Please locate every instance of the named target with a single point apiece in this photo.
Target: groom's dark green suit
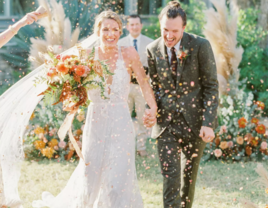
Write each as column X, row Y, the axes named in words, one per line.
column 184, row 105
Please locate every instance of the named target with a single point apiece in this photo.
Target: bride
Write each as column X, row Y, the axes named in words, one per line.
column 108, row 143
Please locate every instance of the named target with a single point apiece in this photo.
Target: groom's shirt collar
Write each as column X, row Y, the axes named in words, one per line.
column 177, row 48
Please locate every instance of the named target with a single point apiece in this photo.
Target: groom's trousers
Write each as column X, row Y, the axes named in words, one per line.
column 180, row 151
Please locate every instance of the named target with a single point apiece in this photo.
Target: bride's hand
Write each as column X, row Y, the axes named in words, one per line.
column 149, row 118
column 29, row 18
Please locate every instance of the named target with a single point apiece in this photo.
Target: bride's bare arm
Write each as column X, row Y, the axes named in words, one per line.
column 136, row 66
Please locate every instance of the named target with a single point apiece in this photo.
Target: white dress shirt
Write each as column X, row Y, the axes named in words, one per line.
column 138, row 41
column 177, row 48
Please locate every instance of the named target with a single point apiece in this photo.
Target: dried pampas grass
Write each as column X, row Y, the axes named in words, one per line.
column 221, row 31
column 58, row 32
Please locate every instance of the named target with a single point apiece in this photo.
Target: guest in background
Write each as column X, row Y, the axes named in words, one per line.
column 136, row 99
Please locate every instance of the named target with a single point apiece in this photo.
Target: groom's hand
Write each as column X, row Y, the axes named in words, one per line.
column 207, row 134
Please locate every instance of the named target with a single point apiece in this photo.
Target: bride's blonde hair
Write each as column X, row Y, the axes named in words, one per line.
column 107, row 15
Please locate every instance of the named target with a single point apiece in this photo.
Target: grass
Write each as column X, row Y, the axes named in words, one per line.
column 219, row 185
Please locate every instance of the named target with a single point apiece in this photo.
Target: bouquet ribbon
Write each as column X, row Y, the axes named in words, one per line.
column 67, row 127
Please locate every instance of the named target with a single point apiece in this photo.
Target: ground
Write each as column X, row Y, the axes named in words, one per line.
column 219, row 184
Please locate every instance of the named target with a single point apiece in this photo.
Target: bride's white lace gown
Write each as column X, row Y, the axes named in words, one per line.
column 110, row 180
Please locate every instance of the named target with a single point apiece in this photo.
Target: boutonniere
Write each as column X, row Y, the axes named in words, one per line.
column 182, row 55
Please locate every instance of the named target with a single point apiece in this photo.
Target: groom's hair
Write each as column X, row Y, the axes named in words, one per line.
column 173, row 10
column 134, row 16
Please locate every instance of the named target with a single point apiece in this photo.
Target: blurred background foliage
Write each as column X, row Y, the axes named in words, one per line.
column 254, row 65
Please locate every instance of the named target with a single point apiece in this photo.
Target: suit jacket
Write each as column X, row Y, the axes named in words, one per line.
column 195, row 91
column 144, row 41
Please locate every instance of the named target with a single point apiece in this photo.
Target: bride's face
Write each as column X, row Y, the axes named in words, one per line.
column 109, row 32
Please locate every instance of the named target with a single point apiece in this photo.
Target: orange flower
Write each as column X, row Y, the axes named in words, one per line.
column 223, row 145
column 61, row 68
column 266, row 190
column 242, row 122
column 65, row 57
column 39, row 144
column 260, row 129
column 80, row 70
column 248, row 150
column 183, row 55
column 248, row 137
column 97, row 67
column 260, row 104
column 240, row 140
column 255, row 121
column 254, row 142
column 48, row 152
column 53, row 142
column 39, row 130
column 52, row 72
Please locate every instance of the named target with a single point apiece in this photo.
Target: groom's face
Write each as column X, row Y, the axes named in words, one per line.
column 109, row 32
column 172, row 30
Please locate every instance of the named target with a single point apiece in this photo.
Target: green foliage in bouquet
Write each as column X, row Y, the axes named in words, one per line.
column 254, row 65
column 195, row 20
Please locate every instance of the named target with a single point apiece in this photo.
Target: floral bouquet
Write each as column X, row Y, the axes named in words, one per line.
column 69, row 77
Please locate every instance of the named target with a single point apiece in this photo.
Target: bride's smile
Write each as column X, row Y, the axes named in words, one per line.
column 109, row 33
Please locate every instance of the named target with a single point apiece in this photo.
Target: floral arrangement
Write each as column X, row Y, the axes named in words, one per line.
column 240, row 136
column 70, row 76
column 41, row 140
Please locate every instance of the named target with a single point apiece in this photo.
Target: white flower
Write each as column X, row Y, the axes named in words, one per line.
column 230, row 100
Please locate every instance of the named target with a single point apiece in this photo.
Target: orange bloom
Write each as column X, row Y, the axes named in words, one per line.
column 97, row 67
column 248, row 137
column 39, row 130
column 254, row 142
column 65, row 57
column 52, row 72
column 255, row 121
column 248, row 150
column 240, row 140
column 223, row 145
column 39, row 144
column 183, row 55
column 80, row 70
column 242, row 122
column 61, row 68
column 260, row 129
column 53, row 142
column 48, row 152
column 266, row 191
column 260, row 104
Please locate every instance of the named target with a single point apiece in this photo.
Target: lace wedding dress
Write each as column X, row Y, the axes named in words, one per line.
column 109, row 181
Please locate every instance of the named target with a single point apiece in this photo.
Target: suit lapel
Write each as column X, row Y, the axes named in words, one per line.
column 184, row 46
column 165, row 62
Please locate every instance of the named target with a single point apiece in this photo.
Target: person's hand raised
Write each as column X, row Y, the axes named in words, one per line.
column 29, row 18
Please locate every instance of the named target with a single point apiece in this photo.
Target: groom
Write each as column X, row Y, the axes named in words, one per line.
column 184, row 79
